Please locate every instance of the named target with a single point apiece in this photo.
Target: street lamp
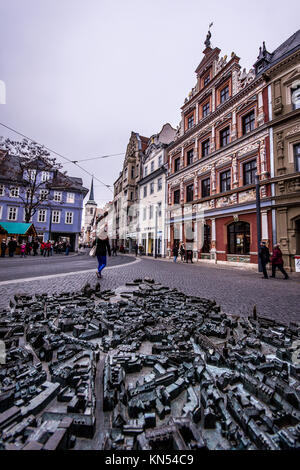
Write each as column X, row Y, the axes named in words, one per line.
column 258, row 220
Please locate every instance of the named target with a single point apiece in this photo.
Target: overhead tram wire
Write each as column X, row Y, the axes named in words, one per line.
column 58, row 154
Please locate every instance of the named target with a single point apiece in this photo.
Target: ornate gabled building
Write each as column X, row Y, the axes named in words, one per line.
column 281, row 70
column 152, row 193
column 126, row 194
column 220, row 144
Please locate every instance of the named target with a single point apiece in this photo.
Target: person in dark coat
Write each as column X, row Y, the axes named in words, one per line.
column 175, row 253
column 3, row 248
column 136, row 249
column 277, row 261
column 182, row 252
column 35, row 247
column 102, row 247
column 12, row 245
column 264, row 256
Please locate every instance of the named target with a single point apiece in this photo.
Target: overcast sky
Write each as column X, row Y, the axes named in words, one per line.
column 81, row 75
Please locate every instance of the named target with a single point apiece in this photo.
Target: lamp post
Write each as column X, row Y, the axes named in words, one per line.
column 155, row 233
column 258, row 220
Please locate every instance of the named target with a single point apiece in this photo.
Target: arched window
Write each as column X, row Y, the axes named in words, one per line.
column 238, row 238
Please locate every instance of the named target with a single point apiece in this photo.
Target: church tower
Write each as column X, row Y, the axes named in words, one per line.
column 89, row 212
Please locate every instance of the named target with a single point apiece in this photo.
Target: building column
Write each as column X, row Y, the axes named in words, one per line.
column 213, row 99
column 260, row 117
column 213, row 143
column 234, row 129
column 197, row 113
column 196, row 150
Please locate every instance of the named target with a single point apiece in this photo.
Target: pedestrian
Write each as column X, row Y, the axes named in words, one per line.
column 68, row 246
column 102, row 248
column 264, row 256
column 42, row 248
column 35, row 247
column 136, row 248
column 182, row 251
column 23, row 249
column 47, row 248
column 277, row 261
column 28, row 248
column 114, row 250
column 3, row 247
column 175, row 253
column 51, row 248
column 12, row 245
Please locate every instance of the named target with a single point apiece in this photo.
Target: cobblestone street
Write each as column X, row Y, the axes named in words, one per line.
column 236, row 290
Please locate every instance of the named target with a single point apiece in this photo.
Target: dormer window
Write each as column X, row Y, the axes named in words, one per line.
column 45, row 176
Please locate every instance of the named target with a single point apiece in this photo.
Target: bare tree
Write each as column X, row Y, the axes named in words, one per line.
column 24, row 166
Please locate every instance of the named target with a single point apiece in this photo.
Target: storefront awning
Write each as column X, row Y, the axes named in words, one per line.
column 16, row 228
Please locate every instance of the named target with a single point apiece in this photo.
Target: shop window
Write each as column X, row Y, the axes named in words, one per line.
column 249, row 172
column 238, row 238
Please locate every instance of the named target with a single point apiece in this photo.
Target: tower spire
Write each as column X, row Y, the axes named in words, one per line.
column 91, row 198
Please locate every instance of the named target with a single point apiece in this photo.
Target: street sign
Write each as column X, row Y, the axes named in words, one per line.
column 297, row 264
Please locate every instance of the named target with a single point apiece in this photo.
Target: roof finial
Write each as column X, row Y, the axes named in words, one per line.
column 207, row 41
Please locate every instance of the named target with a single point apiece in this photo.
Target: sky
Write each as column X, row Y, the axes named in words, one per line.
column 80, row 75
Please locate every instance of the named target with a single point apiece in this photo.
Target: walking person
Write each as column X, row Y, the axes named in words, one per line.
column 277, row 261
column 182, row 252
column 35, row 247
column 136, row 249
column 114, row 250
column 175, row 253
column 264, row 256
column 68, row 246
column 102, row 248
column 42, row 248
column 3, row 248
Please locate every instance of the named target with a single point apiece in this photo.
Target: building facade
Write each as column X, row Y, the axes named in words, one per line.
column 58, row 200
column 152, row 193
column 281, row 70
column 126, row 194
column 221, row 143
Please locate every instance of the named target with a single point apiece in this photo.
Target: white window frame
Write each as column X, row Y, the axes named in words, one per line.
column 40, row 211
column 31, row 174
column 67, row 215
column 44, row 194
column 57, row 196
column 24, row 213
column 70, row 198
column 56, row 215
column 45, row 176
column 1, row 210
column 159, row 186
column 160, row 162
column 15, row 211
column 14, row 191
column 2, row 190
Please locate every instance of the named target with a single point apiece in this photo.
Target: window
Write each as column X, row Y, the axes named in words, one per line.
column 224, row 136
column 224, row 94
column 190, row 121
column 2, row 188
column 297, row 156
column 55, row 217
column 132, row 172
column 1, row 210
column 190, row 193
column 159, row 209
column 150, row 212
column 225, row 181
column 205, row 148
column 176, row 164
column 69, row 218
column 91, row 211
column 152, row 166
column 12, row 213
column 160, row 162
column 206, row 80
column 42, row 215
column 206, row 239
column 131, row 195
column 14, row 192
column 238, row 235
column 205, row 109
column 159, row 184
column 24, row 216
column 57, row 196
column 151, row 188
column 145, row 191
column 144, row 213
column 249, row 172
column 145, row 171
column 248, row 122
column 44, row 194
column 189, row 157
column 295, row 90
column 176, row 196
column 205, row 187
column 45, row 176
column 31, row 175
column 70, row 198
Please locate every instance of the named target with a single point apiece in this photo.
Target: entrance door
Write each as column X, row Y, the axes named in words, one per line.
column 238, row 234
